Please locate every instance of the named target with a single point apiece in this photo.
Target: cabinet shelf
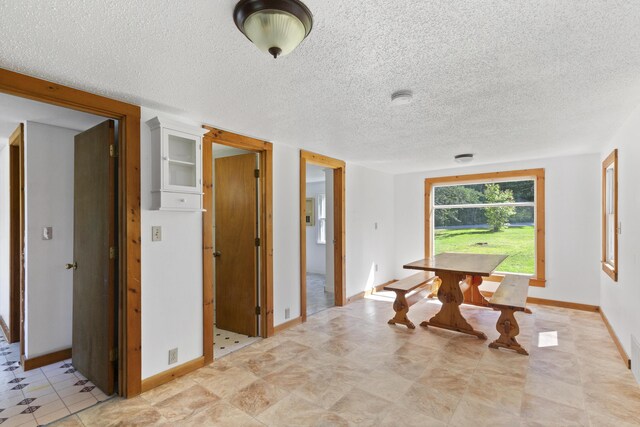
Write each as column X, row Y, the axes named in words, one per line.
column 180, row 162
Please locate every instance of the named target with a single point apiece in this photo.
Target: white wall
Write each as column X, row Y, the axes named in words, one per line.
column 49, row 153
column 329, row 247
column 316, row 252
column 171, row 273
column 4, row 230
column 369, row 201
column 286, row 232
column 572, row 223
column 619, row 301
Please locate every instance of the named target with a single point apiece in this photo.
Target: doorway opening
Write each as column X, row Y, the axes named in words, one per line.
column 61, row 205
column 236, row 253
column 237, row 240
column 322, row 233
column 319, row 235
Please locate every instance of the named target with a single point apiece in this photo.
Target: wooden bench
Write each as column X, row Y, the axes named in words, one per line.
column 511, row 296
column 402, row 287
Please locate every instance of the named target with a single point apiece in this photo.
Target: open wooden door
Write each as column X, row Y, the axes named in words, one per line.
column 235, row 241
column 94, row 248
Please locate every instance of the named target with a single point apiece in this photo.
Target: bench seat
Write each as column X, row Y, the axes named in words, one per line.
column 423, row 279
column 511, row 296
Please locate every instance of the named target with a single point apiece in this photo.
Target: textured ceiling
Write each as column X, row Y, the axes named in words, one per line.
column 505, row 80
column 14, row 110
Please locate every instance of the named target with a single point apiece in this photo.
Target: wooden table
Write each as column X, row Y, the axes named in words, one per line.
column 454, row 269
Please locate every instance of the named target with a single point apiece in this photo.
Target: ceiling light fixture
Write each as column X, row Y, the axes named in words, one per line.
column 463, row 158
column 274, row 26
column 401, row 97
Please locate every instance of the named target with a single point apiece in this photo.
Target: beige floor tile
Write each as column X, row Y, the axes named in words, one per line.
column 291, row 411
column 361, row 408
column 537, row 411
column 555, row 390
column 186, row 403
column 256, row 397
column 221, row 414
column 473, row 413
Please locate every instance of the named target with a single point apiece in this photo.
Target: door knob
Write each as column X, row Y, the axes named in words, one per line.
column 217, row 254
column 73, row 266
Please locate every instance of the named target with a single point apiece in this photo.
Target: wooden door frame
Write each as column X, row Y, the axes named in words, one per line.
column 265, row 149
column 129, row 238
column 339, row 231
column 14, row 331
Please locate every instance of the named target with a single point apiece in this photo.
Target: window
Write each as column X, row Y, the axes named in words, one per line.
column 610, row 215
column 322, row 219
column 496, row 213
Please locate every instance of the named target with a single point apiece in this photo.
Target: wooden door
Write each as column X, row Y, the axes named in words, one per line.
column 16, row 238
column 235, row 240
column 94, row 244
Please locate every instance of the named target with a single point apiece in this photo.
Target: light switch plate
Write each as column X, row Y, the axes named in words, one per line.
column 156, row 233
column 47, row 233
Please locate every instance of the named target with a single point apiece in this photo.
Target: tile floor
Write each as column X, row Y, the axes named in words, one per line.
column 317, row 298
column 40, row 396
column 346, row 366
column 226, row 342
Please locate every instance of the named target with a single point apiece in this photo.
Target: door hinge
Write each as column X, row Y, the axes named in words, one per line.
column 113, row 252
column 113, row 150
column 113, row 355
column 257, row 241
column 258, row 311
column 256, row 173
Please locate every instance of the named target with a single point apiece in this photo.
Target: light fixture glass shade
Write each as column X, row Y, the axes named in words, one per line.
column 274, row 29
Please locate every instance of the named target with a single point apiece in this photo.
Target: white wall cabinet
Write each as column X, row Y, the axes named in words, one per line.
column 176, row 150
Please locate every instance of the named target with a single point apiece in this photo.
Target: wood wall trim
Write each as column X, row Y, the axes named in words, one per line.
column 539, row 279
column 265, row 149
column 130, row 324
column 611, row 271
column 16, row 237
column 339, row 226
column 616, row 341
column 288, row 324
column 171, row 374
column 45, row 359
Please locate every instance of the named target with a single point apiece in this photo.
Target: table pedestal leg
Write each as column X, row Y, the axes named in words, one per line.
column 472, row 295
column 449, row 316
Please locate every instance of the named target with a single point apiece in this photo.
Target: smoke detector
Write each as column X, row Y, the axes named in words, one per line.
column 463, row 158
column 401, row 97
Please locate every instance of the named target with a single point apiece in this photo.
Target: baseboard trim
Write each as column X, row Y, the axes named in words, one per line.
column 45, row 359
column 377, row 288
column 288, row 324
column 173, row 373
column 623, row 354
column 5, row 330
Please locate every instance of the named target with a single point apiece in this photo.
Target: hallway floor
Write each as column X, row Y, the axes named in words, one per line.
column 317, row 298
column 226, row 342
column 43, row 395
column 347, row 366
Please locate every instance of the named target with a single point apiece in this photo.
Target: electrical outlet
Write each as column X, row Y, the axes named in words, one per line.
column 156, row 233
column 47, row 233
column 287, row 313
column 173, row 356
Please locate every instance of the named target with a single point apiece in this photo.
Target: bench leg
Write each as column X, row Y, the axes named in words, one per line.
column 508, row 327
column 401, row 308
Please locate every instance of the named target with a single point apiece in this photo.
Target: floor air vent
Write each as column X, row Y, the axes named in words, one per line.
column 635, row 358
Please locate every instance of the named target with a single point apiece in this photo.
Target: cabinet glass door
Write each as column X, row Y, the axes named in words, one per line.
column 181, row 161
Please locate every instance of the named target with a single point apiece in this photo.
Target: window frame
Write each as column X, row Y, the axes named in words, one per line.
column 610, row 270
column 321, row 220
column 537, row 175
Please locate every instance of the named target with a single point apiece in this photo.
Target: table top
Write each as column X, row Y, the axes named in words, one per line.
column 471, row 264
